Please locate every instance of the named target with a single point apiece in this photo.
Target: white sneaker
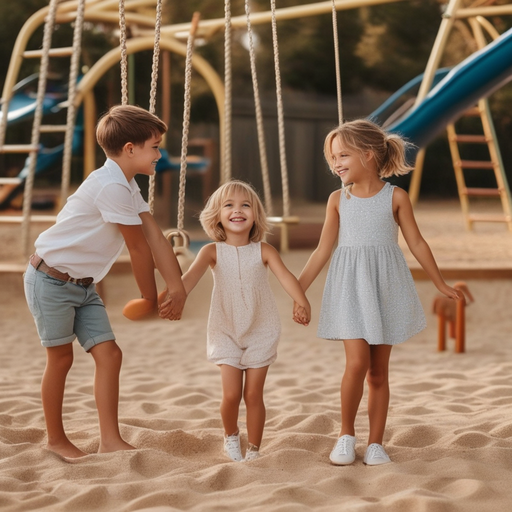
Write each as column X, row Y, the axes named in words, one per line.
column 375, row 455
column 232, row 447
column 344, row 451
column 251, row 455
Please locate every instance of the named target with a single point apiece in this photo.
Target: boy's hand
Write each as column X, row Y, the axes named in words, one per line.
column 171, row 305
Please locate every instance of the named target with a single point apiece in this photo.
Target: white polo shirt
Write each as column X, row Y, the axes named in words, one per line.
column 85, row 241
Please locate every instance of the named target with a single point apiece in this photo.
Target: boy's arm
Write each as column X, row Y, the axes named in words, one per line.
column 166, row 263
column 288, row 281
column 141, row 259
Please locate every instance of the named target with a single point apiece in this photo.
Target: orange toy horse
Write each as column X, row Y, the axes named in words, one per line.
column 453, row 312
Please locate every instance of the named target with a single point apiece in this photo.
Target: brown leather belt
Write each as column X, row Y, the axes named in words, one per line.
column 38, row 263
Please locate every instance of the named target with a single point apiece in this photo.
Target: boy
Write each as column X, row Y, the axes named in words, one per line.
column 106, row 211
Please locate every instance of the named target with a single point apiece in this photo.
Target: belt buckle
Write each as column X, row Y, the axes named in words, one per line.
column 82, row 281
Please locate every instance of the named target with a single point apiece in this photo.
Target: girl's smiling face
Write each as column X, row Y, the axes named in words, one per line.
column 237, row 214
column 346, row 163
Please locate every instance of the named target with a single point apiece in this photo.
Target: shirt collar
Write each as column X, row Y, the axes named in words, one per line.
column 120, row 177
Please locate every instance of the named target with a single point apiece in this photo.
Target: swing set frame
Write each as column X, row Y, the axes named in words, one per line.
column 140, row 19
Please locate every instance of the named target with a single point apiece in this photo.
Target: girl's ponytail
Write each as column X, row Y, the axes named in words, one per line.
column 394, row 161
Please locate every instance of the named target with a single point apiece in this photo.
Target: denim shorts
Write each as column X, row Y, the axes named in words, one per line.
column 64, row 311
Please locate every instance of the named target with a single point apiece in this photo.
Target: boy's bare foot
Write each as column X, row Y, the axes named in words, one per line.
column 114, row 446
column 66, row 449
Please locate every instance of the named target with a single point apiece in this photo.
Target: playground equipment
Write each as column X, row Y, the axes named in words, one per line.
column 23, row 103
column 65, row 13
column 456, row 92
column 137, row 309
column 469, row 83
column 22, row 108
column 38, row 127
column 453, row 313
column 425, row 119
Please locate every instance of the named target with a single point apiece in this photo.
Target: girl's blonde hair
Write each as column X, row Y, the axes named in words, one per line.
column 210, row 216
column 363, row 136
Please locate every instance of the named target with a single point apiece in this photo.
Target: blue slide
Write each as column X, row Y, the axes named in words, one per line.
column 400, row 102
column 22, row 107
column 476, row 77
column 47, row 158
column 23, row 104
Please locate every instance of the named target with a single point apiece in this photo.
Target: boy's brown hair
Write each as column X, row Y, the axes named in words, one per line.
column 127, row 123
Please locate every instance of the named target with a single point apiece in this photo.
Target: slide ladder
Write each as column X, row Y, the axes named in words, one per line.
column 494, row 163
column 38, row 127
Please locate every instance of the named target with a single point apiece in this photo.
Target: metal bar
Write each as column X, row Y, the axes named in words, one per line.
column 437, row 49
column 54, row 52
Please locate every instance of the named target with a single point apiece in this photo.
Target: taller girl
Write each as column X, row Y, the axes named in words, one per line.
column 370, row 301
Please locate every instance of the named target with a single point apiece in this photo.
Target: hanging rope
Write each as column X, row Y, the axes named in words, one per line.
column 154, row 74
column 70, row 120
column 226, row 171
column 153, row 91
column 186, row 119
column 156, row 56
column 337, row 61
column 280, row 116
column 259, row 116
column 124, row 54
column 36, row 126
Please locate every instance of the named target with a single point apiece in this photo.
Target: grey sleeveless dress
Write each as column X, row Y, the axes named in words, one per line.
column 369, row 291
column 244, row 325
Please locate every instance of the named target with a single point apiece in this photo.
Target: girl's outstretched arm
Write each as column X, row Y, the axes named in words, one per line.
column 207, row 257
column 288, row 281
column 404, row 216
column 323, row 252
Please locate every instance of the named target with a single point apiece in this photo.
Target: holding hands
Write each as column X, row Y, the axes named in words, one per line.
column 301, row 314
column 170, row 304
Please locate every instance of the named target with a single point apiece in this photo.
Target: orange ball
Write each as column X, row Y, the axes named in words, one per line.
column 161, row 296
column 138, row 309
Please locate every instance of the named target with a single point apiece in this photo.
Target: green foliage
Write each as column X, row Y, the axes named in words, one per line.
column 12, row 18
column 398, row 41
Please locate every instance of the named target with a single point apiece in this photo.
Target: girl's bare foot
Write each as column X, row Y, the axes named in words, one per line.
column 66, row 449
column 114, row 446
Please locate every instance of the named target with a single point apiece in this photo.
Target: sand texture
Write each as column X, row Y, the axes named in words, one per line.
column 449, row 429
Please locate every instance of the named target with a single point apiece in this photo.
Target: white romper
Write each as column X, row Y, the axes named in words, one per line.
column 243, row 325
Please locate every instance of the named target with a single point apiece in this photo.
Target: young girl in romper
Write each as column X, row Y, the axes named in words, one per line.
column 243, row 324
column 369, row 301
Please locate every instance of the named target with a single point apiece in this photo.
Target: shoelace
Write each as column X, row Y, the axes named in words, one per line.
column 376, row 451
column 342, row 446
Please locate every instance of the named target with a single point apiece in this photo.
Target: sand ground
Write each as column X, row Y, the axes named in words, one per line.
column 449, row 430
